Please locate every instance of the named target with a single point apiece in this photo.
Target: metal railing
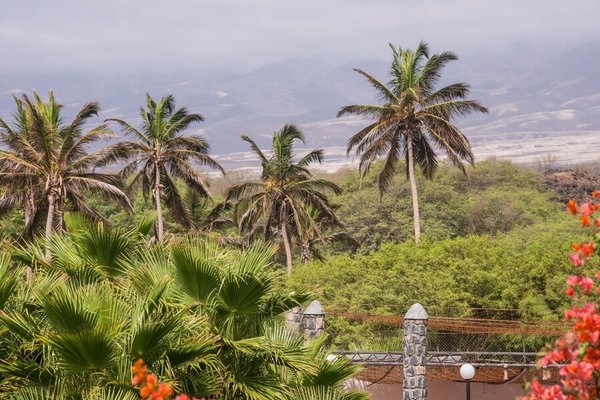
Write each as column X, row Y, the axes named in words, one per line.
column 447, row 359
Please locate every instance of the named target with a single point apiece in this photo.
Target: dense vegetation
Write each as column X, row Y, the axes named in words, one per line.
column 493, row 239
column 494, row 197
column 197, row 292
column 205, row 318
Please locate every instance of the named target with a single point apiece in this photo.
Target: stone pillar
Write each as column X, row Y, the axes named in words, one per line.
column 415, row 353
column 314, row 320
column 293, row 320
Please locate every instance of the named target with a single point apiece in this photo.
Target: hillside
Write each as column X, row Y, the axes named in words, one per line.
column 534, row 110
column 573, row 183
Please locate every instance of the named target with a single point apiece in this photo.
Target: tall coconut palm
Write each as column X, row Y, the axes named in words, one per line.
column 414, row 121
column 162, row 153
column 46, row 159
column 19, row 192
column 276, row 205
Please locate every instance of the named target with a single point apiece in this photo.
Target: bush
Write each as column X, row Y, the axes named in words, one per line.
column 495, row 197
column 523, row 269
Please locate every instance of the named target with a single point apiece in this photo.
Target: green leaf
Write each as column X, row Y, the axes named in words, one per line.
column 148, row 337
column 84, row 350
column 8, row 279
column 196, row 272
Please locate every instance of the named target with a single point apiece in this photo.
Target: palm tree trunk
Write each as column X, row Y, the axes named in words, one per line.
column 413, row 189
column 49, row 221
column 59, row 220
column 305, row 255
column 288, row 248
column 158, row 206
column 28, row 210
column 29, row 206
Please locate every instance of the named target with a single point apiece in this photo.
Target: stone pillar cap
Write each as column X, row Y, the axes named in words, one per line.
column 416, row 311
column 314, row 308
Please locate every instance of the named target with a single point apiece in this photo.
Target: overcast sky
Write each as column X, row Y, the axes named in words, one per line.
column 130, row 35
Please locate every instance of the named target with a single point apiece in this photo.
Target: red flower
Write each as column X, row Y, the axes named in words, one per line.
column 576, row 259
column 586, row 284
column 588, row 209
column 539, row 392
column 579, row 349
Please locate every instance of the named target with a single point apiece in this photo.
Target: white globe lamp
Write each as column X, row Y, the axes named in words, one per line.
column 467, row 372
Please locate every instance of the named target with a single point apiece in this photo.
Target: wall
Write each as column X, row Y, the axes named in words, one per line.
column 439, row 390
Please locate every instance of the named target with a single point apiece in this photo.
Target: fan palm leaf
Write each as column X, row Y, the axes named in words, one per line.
column 205, row 319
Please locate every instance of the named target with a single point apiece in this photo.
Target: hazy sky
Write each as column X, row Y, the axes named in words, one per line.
column 131, row 35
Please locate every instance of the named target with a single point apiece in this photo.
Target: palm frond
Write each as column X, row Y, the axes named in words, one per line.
column 196, row 271
column 327, row 393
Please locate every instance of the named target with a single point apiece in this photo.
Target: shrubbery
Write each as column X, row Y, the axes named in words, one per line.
column 205, row 319
column 495, row 197
column 524, row 269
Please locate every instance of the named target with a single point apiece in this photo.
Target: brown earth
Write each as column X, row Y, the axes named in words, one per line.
column 573, row 184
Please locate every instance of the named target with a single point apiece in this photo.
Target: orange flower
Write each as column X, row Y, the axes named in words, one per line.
column 163, row 392
column 145, row 392
column 151, row 379
column 585, row 220
column 572, row 207
column 596, row 193
column 148, row 382
column 585, row 248
column 139, row 370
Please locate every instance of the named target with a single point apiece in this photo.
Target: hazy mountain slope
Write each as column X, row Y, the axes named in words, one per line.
column 539, row 102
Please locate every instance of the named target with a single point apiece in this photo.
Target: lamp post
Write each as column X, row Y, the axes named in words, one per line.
column 467, row 372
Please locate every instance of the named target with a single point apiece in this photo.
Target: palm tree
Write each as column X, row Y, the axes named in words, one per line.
column 46, row 163
column 276, row 205
column 320, row 229
column 100, row 307
column 204, row 318
column 414, row 120
column 164, row 154
column 17, row 192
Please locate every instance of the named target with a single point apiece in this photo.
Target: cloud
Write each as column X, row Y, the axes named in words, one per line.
column 136, row 35
column 13, row 91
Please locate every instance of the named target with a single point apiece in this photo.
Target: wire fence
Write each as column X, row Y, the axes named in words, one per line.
column 486, row 342
column 450, row 334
